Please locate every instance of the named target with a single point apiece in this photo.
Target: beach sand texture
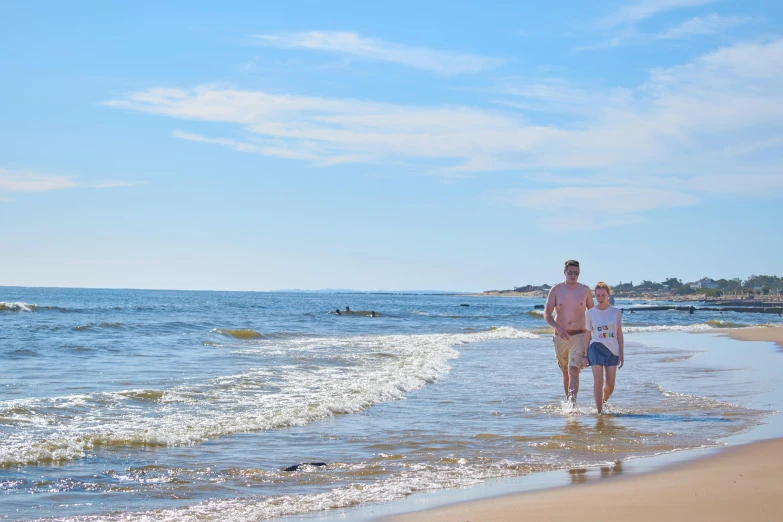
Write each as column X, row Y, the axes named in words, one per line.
column 771, row 334
column 741, row 483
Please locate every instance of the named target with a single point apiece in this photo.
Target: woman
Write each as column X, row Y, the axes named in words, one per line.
column 605, row 353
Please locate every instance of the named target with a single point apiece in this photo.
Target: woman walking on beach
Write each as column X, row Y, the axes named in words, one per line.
column 605, row 353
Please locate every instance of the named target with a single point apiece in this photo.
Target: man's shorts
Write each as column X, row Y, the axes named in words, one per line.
column 599, row 354
column 572, row 351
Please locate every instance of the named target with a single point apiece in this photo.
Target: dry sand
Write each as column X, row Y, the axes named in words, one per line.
column 741, row 483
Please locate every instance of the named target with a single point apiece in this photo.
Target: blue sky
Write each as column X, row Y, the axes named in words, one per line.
column 414, row 145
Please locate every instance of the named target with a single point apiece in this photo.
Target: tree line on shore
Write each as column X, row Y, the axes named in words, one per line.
column 753, row 285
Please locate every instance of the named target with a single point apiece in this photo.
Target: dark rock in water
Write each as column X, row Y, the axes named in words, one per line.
column 539, row 307
column 463, row 304
column 368, row 313
column 296, row 467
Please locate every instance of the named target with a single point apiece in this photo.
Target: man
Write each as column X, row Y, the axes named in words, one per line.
column 569, row 301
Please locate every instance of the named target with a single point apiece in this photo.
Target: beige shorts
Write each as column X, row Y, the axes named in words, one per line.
column 572, row 351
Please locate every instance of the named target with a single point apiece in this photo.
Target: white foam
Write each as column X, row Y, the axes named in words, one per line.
column 416, row 477
column 17, row 306
column 357, row 373
column 669, row 328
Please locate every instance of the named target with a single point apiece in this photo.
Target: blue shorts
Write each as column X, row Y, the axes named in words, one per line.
column 598, row 354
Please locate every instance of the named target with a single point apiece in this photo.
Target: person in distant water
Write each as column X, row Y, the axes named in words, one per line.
column 605, row 354
column 347, row 308
column 372, row 313
column 338, row 312
column 565, row 312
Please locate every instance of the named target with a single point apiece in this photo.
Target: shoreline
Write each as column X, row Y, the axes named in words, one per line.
column 770, row 334
column 738, row 482
column 693, row 298
column 682, row 485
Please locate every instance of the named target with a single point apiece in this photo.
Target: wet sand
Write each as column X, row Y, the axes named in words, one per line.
column 739, row 483
column 772, row 334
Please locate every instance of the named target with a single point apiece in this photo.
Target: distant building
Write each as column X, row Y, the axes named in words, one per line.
column 704, row 282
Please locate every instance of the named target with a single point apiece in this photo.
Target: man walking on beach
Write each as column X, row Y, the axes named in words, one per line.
column 569, row 301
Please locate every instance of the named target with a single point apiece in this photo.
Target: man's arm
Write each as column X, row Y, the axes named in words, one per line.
column 589, row 303
column 589, row 328
column 549, row 308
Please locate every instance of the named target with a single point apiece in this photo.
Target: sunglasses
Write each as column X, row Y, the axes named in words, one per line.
column 573, row 272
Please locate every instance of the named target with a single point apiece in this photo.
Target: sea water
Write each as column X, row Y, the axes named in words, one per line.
column 167, row 405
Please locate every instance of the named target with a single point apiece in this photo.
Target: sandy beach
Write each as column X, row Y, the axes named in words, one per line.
column 739, row 483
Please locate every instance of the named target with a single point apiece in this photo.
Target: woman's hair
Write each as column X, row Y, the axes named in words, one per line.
column 604, row 286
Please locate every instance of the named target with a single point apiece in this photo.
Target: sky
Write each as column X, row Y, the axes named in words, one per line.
column 396, row 146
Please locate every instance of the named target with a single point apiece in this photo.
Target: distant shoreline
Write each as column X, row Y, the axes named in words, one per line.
column 640, row 297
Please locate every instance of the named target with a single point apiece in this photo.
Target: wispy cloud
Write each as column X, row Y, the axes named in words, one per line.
column 27, row 182
column 441, row 62
column 327, row 131
column 621, row 27
column 703, row 26
column 711, row 24
column 638, row 11
column 715, row 117
column 14, row 181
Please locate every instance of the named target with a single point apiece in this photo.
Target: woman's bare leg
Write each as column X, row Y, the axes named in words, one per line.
column 598, row 385
column 611, row 373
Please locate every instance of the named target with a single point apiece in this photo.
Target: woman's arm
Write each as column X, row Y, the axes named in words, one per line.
column 621, row 342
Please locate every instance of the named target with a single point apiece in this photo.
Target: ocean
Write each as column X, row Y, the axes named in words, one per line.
column 178, row 405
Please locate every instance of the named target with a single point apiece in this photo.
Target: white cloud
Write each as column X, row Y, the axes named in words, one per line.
column 441, row 62
column 716, row 117
column 30, row 182
column 621, row 27
column 27, row 182
column 638, row 11
column 326, row 131
column 702, row 26
column 711, row 24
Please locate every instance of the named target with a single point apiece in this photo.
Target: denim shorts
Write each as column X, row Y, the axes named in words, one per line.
column 598, row 354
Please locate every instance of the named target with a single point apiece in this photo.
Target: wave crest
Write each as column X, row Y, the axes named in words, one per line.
column 17, row 307
column 246, row 333
column 380, row 369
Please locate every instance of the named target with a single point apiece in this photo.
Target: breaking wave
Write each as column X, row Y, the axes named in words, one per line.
column 239, row 334
column 348, row 375
column 17, row 307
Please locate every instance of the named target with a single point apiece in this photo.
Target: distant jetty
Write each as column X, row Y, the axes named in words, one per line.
column 757, row 308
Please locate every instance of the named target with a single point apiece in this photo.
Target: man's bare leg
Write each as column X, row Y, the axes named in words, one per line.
column 565, row 382
column 598, row 386
column 573, row 383
column 611, row 374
